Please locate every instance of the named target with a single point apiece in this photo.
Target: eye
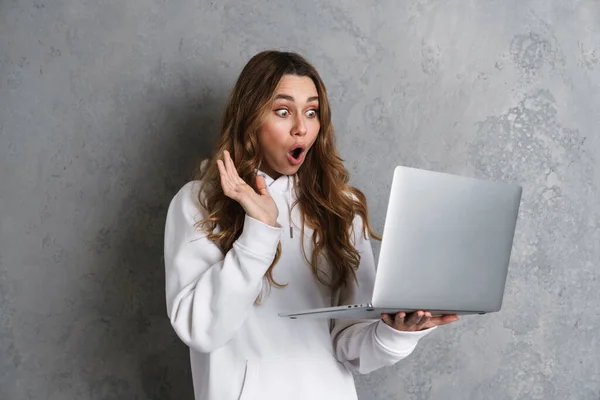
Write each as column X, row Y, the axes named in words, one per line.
column 312, row 113
column 282, row 112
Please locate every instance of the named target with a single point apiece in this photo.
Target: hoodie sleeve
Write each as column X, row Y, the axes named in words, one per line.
column 366, row 345
column 209, row 293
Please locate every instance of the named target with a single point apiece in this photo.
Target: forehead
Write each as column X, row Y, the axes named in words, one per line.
column 299, row 87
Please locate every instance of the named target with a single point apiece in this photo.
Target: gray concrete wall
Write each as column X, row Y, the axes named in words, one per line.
column 104, row 106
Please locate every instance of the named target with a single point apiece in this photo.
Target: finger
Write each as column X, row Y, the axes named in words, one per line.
column 221, row 167
column 224, row 175
column 424, row 320
column 233, row 175
column 444, row 319
column 426, row 315
column 450, row 317
column 414, row 318
column 227, row 162
column 387, row 319
column 261, row 185
column 399, row 319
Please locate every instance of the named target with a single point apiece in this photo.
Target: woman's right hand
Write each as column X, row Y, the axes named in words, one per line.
column 259, row 206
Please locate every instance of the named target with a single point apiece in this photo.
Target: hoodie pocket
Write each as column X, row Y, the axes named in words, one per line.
column 297, row 379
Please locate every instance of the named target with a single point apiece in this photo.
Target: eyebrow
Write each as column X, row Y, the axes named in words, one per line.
column 290, row 98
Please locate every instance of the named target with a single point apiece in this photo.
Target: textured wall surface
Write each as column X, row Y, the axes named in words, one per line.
column 105, row 105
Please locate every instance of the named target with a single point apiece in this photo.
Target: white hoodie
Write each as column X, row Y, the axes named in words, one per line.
column 243, row 351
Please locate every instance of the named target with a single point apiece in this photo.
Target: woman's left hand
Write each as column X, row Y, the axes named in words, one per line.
column 416, row 321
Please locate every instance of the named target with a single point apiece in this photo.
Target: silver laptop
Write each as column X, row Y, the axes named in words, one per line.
column 445, row 248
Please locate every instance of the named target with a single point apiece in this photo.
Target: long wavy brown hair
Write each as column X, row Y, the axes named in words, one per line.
column 328, row 204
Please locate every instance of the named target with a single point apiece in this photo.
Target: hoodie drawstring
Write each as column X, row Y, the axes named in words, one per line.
column 290, row 206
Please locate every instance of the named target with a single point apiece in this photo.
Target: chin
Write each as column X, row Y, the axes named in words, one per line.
column 289, row 170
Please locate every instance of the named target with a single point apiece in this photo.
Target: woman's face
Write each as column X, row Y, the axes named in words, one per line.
column 290, row 127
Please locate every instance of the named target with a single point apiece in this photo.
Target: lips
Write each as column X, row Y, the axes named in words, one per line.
column 296, row 151
column 296, row 154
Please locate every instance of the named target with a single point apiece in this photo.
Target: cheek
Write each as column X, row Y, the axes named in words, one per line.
column 274, row 130
column 271, row 138
column 314, row 130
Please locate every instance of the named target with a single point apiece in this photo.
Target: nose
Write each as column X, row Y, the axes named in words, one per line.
column 299, row 128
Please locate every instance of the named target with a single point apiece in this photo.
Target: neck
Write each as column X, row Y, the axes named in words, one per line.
column 270, row 171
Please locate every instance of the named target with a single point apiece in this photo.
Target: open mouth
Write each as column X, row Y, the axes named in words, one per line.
column 296, row 152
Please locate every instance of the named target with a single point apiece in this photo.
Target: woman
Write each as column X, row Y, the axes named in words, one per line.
column 270, row 224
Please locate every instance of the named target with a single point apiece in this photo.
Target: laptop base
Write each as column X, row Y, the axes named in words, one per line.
column 363, row 311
